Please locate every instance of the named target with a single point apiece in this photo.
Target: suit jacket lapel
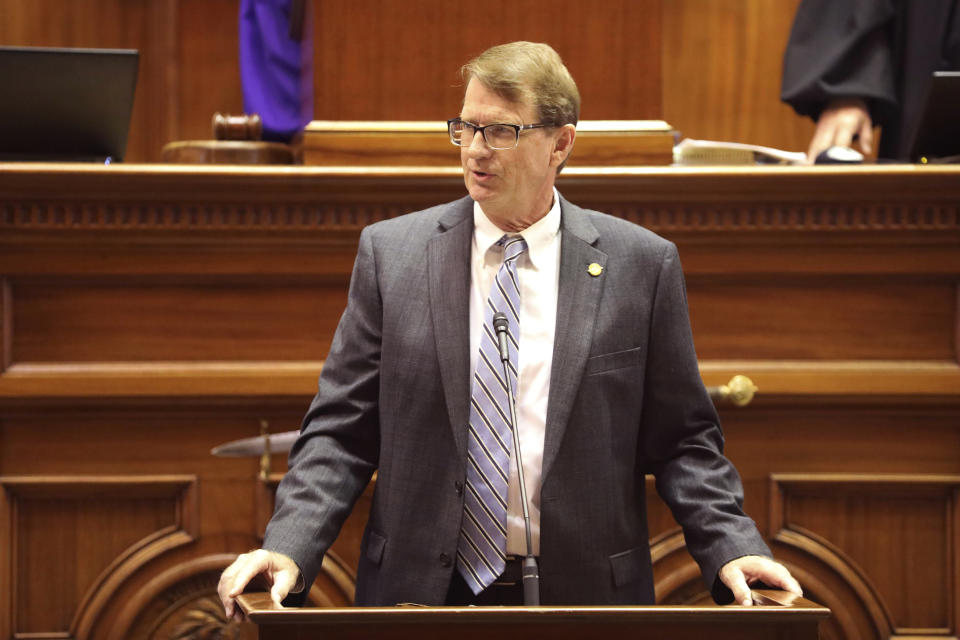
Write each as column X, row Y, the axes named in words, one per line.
column 448, row 255
column 577, row 303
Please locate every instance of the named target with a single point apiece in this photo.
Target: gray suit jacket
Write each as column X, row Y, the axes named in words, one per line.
column 626, row 398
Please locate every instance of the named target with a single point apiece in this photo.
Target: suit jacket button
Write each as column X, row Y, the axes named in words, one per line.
column 445, row 560
column 459, row 487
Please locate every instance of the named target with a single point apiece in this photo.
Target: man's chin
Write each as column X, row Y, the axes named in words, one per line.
column 480, row 193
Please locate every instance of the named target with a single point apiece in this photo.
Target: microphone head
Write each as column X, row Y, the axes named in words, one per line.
column 500, row 322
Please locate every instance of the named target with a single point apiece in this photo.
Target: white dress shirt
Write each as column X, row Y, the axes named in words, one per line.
column 538, row 271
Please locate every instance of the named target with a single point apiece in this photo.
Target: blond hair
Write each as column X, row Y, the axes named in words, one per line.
column 531, row 73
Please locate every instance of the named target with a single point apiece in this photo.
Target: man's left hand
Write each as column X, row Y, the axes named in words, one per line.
column 740, row 573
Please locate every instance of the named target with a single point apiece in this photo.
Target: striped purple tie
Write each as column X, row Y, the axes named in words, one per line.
column 482, row 550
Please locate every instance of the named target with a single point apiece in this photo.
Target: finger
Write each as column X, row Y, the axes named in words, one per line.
column 737, row 583
column 283, row 581
column 866, row 135
column 821, row 141
column 843, row 135
column 782, row 578
column 224, row 586
column 255, row 564
column 238, row 614
column 793, row 586
column 776, row 575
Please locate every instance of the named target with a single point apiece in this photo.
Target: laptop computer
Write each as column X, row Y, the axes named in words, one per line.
column 938, row 132
column 66, row 104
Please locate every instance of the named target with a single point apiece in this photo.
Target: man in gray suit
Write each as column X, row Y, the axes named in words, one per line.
column 607, row 389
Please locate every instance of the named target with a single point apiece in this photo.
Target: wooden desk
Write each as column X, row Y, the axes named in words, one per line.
column 151, row 312
column 599, row 143
column 775, row 616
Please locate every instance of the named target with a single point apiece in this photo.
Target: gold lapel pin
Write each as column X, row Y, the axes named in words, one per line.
column 594, row 269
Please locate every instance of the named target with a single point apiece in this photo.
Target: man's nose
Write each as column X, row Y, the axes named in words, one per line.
column 478, row 147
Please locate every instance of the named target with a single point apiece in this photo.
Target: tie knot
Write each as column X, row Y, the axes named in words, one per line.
column 513, row 246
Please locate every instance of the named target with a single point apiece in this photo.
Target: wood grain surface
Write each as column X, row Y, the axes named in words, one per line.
column 150, row 313
column 709, row 67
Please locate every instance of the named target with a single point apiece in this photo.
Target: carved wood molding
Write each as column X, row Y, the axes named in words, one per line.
column 677, row 578
column 145, row 198
column 6, row 324
column 182, row 602
column 336, row 584
column 723, row 217
column 781, row 383
column 98, row 595
column 751, row 217
column 159, row 379
column 849, row 620
column 842, row 382
column 169, row 216
column 821, row 557
column 168, row 599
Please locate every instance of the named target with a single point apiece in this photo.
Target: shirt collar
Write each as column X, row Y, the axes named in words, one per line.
column 539, row 236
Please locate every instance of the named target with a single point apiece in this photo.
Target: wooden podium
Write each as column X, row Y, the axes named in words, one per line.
column 776, row 616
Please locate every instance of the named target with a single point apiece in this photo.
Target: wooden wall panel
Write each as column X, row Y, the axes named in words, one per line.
column 49, row 521
column 6, row 324
column 385, row 60
column 53, row 542
column 855, row 521
column 867, row 527
column 879, row 550
column 886, row 235
column 864, row 318
column 73, row 440
column 722, row 62
column 379, row 60
column 786, row 436
column 710, row 67
column 207, row 66
column 91, row 460
column 150, row 320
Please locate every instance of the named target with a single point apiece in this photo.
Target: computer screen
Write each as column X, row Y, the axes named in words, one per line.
column 938, row 132
column 66, row 104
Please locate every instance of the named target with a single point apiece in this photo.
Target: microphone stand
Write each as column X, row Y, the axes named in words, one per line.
column 531, row 573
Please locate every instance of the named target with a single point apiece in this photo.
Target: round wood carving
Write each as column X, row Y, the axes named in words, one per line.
column 189, row 610
column 182, row 602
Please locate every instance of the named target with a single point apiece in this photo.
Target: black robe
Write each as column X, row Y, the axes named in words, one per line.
column 883, row 51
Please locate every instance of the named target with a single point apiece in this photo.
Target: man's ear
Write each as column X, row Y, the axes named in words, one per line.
column 563, row 144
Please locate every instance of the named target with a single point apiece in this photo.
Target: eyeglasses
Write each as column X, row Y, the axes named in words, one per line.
column 497, row 136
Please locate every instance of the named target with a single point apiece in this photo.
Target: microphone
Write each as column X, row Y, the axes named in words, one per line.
column 500, row 325
column 531, row 573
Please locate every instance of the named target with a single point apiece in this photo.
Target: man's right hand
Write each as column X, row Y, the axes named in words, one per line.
column 279, row 572
column 843, row 120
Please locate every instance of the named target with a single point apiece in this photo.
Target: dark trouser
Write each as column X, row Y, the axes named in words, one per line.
column 506, row 591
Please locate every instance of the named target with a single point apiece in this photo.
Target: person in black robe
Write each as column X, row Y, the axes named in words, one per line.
column 853, row 64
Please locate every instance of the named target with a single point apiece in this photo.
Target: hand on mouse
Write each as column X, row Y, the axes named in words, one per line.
column 843, row 120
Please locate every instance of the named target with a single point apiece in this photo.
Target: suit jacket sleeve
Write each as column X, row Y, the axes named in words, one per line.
column 683, row 443
column 840, row 49
column 337, row 452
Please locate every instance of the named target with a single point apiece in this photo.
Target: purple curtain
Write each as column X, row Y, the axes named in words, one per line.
column 275, row 68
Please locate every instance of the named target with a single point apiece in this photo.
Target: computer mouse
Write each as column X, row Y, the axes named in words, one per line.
column 839, row 155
